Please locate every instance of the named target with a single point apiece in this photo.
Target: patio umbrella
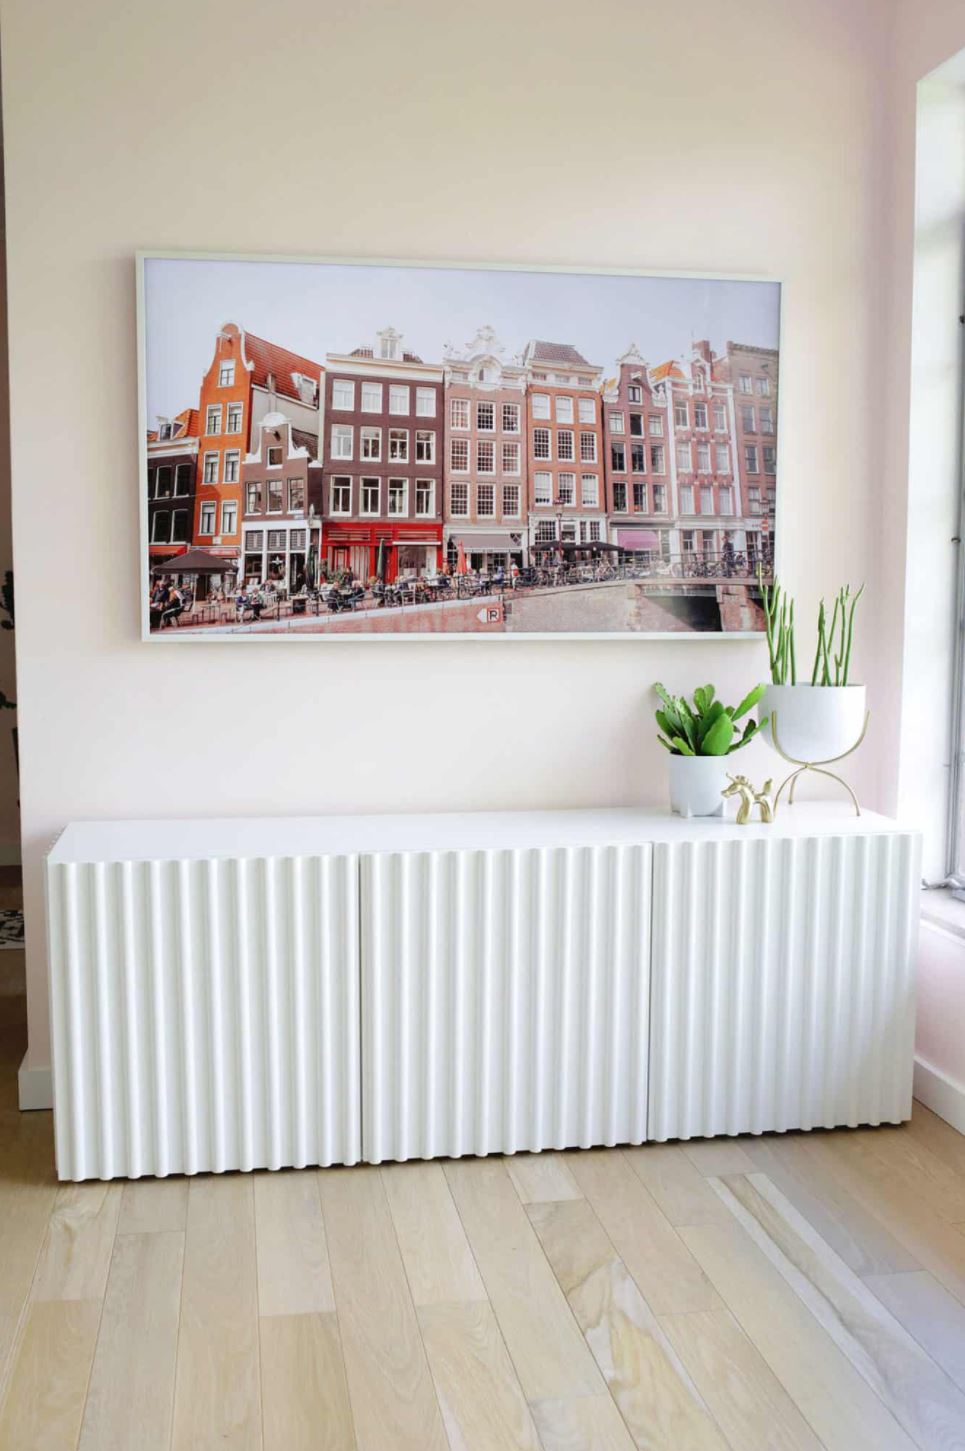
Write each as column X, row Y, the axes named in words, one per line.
column 311, row 566
column 461, row 566
column 380, row 561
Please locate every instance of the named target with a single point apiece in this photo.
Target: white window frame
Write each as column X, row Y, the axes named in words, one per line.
column 425, row 435
column 490, row 490
column 454, row 511
column 229, row 508
column 212, row 420
column 510, row 411
column 617, row 423
column 234, row 410
column 539, row 432
column 346, row 388
column 430, row 485
column 209, row 512
column 514, row 511
column 564, row 408
column 232, row 459
column 591, row 499
column 366, row 481
column 459, row 413
column 587, row 454
column 585, row 410
column 370, row 390
column 404, row 511
column 342, row 435
column 425, row 396
column 226, row 373
column 566, row 458
column 570, row 477
column 511, row 450
column 542, row 487
column 206, row 464
column 491, row 413
column 489, row 445
column 544, row 409
column 338, row 483
column 368, row 434
column 400, row 393
column 401, row 436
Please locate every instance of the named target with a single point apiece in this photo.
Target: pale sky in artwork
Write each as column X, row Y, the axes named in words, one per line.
column 317, row 308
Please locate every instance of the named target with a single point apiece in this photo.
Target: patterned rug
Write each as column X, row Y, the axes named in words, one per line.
column 11, row 928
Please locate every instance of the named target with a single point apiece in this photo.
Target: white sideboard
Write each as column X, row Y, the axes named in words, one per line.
column 275, row 992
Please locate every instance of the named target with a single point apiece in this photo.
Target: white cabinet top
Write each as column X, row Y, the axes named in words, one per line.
column 283, row 836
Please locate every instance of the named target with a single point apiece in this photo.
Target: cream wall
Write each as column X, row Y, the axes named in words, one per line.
column 744, row 138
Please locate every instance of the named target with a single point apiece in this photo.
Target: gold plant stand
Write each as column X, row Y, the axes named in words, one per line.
column 818, row 767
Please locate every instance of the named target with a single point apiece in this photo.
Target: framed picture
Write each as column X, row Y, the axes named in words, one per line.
column 342, row 450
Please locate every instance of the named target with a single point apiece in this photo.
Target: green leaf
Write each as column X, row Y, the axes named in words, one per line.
column 682, row 746
column 663, row 694
column 750, row 731
column 666, row 743
column 718, row 739
column 707, row 721
column 748, row 703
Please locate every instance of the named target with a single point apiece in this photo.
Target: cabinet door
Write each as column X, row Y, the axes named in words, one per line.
column 504, row 1000
column 783, row 984
column 205, row 1015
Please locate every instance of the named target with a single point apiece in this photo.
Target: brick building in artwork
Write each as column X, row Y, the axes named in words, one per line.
column 382, row 449
column 172, row 460
column 485, row 454
column 246, row 379
column 566, row 503
column 752, row 374
column 281, row 490
column 701, row 454
column 636, row 431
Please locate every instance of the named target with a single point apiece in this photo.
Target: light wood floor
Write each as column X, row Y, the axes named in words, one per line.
column 775, row 1294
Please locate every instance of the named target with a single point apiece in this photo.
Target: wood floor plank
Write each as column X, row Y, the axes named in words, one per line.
column 541, row 1177
column 851, row 1230
column 929, row 1313
column 482, row 1404
column 392, row 1395
column 28, row 1191
column 45, row 1395
column 217, row 1396
column 76, row 1256
column 131, row 1396
column 678, row 1188
column 304, row 1390
column 919, row 1395
column 714, row 1157
column 547, row 1348
column 294, row 1277
column 153, row 1206
column 656, row 1397
column 929, row 1175
column 749, row 1403
column 581, row 1423
column 435, row 1250
column 653, row 1252
column 938, row 1136
column 834, row 1399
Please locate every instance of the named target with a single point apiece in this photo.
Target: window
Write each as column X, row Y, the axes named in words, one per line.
column 720, row 418
column 398, row 445
column 763, row 386
column 567, row 488
column 753, row 500
column 541, row 405
column 398, row 496
column 700, row 415
column 253, row 497
column 660, row 498
column 486, row 456
column 459, row 455
column 233, row 416
column 587, row 410
column 161, row 527
column 297, row 538
column 771, row 501
column 371, row 397
column 425, row 404
column 687, row 499
column 703, row 458
column 275, row 497
column 164, row 482
column 706, row 500
column 541, row 443
column 371, row 492
column 342, row 435
column 210, row 474
column 459, row 412
column 296, row 496
column 564, row 408
column 747, row 418
column 726, row 499
column 398, row 398
column 206, row 525
column 343, row 394
column 681, row 415
column 590, row 491
column 656, row 425
column 657, row 462
column 425, row 446
column 275, row 455
column 588, row 448
column 745, row 383
column 564, row 444
column 510, row 458
column 425, row 497
column 510, row 417
column 770, row 458
column 687, row 540
column 545, row 531
column 542, row 488
column 226, row 374
column 618, row 457
column 640, row 497
column 212, row 418
column 699, row 383
column 164, row 431
column 636, row 425
column 616, row 423
column 371, row 442
column 459, row 500
column 590, row 531
column 766, row 418
column 619, row 497
column 179, row 526
column 232, row 466
column 635, row 393
column 685, row 458
column 638, row 458
column 750, row 458
column 182, row 479
column 276, row 538
column 511, row 501
column 722, row 458
column 485, row 417
column 229, row 516
column 486, row 501
column 341, row 496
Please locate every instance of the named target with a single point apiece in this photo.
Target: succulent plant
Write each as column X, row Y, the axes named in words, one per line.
column 832, row 659
column 707, row 727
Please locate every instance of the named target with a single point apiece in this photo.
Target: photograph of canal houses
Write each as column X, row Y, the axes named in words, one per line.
column 333, row 449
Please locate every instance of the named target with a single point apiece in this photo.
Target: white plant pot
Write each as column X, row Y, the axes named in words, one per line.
column 814, row 722
column 696, row 783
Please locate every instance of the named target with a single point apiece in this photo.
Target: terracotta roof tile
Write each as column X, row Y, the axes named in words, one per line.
column 666, row 370
column 269, row 358
column 543, row 352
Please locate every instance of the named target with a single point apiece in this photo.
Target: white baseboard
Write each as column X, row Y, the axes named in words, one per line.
column 940, row 1093
column 35, row 1087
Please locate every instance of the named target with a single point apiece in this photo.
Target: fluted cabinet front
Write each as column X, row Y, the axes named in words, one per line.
column 204, row 1014
column 783, row 983
column 505, row 1000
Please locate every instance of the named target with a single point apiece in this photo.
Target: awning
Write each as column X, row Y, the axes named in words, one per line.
column 502, row 540
column 638, row 539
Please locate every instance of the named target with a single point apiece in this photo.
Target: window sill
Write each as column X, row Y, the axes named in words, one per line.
column 940, row 908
